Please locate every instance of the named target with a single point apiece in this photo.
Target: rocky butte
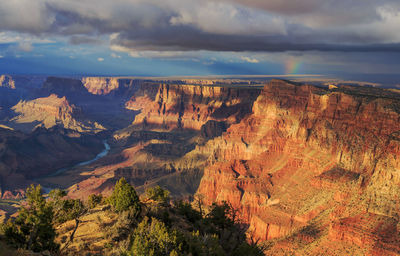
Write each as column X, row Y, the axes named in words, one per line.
column 51, row 111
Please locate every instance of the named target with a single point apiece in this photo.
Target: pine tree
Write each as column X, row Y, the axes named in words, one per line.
column 32, row 229
column 124, row 197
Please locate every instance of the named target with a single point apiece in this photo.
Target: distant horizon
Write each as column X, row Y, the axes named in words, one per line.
column 197, row 38
column 387, row 80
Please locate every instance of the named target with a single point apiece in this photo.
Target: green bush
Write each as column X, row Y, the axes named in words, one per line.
column 152, row 238
column 124, row 197
column 185, row 209
column 158, row 194
column 94, row 200
column 65, row 209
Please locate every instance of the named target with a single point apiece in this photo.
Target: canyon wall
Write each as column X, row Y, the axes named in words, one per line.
column 100, row 85
column 310, row 169
column 172, row 119
column 190, row 106
column 304, row 152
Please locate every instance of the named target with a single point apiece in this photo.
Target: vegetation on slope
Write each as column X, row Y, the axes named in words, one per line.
column 125, row 225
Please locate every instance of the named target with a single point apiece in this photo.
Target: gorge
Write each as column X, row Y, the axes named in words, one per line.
column 311, row 169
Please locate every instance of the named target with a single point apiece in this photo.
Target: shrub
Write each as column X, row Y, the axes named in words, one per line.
column 94, row 200
column 152, row 237
column 124, row 197
column 158, row 194
column 186, row 209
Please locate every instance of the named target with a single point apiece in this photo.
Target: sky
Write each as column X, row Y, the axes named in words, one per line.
column 200, row 37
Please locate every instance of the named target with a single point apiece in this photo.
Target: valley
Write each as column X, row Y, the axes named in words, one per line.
column 310, row 168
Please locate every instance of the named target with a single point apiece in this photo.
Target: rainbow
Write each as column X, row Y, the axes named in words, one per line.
column 292, row 66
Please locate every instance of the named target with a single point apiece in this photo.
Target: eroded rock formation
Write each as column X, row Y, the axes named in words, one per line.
column 313, row 170
column 100, row 85
column 304, row 152
column 51, row 111
column 190, row 106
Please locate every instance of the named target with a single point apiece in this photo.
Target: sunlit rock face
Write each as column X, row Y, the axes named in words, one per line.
column 310, row 155
column 51, row 111
column 189, row 106
column 100, row 85
column 160, row 145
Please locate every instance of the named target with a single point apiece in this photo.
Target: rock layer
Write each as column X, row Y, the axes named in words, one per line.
column 100, row 85
column 303, row 152
column 189, row 106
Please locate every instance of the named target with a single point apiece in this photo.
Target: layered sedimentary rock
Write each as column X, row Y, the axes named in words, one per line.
column 100, row 85
column 69, row 87
column 302, row 153
column 189, row 106
column 51, row 111
column 172, row 120
column 312, row 169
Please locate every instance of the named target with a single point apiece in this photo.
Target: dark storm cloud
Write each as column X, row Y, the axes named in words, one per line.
column 226, row 25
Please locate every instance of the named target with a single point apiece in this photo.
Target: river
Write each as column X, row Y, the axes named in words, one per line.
column 60, row 171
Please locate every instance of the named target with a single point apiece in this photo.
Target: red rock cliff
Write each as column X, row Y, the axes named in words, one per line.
column 189, row 106
column 303, row 152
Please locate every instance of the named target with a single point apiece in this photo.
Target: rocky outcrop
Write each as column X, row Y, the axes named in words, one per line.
column 377, row 232
column 172, row 120
column 51, row 111
column 100, row 85
column 283, row 165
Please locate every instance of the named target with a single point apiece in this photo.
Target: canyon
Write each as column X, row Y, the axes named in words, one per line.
column 310, row 169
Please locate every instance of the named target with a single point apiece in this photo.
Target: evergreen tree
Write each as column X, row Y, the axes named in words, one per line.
column 124, row 197
column 153, row 238
column 33, row 229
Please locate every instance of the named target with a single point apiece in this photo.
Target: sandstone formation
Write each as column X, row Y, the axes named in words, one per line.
column 51, row 111
column 305, row 152
column 314, row 170
column 189, row 106
column 172, row 120
column 69, row 87
column 100, row 85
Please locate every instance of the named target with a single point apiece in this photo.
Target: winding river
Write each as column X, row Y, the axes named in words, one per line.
column 100, row 155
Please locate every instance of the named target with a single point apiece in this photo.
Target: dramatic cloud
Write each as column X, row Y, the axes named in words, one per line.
column 224, row 25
